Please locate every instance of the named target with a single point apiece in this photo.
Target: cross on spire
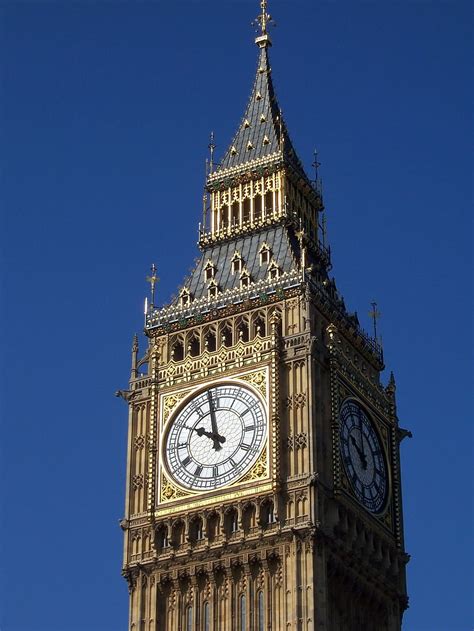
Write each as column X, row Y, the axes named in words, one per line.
column 264, row 20
column 153, row 279
column 375, row 315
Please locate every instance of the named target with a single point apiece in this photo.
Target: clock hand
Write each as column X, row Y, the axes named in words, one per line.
column 216, row 444
column 362, row 456
column 200, row 431
column 360, row 432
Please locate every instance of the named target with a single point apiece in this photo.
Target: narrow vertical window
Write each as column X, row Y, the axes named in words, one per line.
column 206, row 617
column 189, row 619
column 243, row 613
column 261, row 612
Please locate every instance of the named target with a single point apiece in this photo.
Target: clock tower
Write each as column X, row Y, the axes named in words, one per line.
column 263, row 469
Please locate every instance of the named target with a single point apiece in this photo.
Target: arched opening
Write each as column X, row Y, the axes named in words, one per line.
column 267, row 514
column 259, row 327
column 243, row 613
column 177, row 351
column 162, row 541
column 246, row 210
column 210, row 342
column 249, row 518
column 235, row 213
column 194, row 347
column 226, row 336
column 178, row 534
column 213, row 523
column 196, row 532
column 224, row 212
column 206, row 619
column 258, row 209
column 231, row 522
column 189, row 619
column 243, row 331
column 260, row 612
column 268, row 204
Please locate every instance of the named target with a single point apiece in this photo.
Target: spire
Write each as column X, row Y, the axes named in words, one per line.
column 262, row 135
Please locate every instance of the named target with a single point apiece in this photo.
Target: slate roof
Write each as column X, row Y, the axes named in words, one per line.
column 283, row 248
column 260, row 125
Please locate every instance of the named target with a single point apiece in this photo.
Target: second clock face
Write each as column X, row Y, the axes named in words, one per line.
column 216, row 437
column 363, row 456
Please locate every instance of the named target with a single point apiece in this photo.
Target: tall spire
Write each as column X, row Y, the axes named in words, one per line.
column 262, row 135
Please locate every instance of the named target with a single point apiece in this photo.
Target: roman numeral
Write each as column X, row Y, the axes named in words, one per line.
column 186, row 461
column 198, row 471
column 232, row 462
column 215, row 471
column 245, row 447
column 249, row 428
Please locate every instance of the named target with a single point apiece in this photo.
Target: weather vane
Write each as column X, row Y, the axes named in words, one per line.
column 316, row 164
column 264, row 20
column 375, row 315
column 153, row 279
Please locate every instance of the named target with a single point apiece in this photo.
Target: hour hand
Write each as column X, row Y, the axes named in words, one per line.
column 362, row 456
column 200, row 431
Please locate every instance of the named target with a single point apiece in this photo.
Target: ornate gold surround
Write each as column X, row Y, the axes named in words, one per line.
column 260, row 473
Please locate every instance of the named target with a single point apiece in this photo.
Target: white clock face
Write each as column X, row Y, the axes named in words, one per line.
column 363, row 457
column 216, row 437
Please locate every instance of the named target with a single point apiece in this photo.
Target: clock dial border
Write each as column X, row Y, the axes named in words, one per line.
column 373, row 422
column 242, row 381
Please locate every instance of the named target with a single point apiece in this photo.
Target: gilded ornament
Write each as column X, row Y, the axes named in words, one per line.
column 169, row 402
column 257, row 379
column 259, row 469
column 169, row 491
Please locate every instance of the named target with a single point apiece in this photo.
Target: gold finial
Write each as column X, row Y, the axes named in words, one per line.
column 264, row 20
column 153, row 279
column 263, row 16
column 375, row 315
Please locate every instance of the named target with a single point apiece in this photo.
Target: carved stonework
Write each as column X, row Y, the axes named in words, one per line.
column 169, row 491
column 259, row 469
column 169, row 403
column 257, row 379
column 139, row 442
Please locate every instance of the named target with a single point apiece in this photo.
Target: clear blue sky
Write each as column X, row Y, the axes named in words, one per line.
column 105, row 113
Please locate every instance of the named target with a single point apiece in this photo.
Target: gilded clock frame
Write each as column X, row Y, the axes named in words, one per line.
column 260, row 473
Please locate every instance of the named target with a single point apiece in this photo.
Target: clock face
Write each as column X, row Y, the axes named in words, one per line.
column 216, row 437
column 363, row 457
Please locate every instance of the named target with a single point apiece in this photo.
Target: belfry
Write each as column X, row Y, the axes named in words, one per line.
column 263, row 467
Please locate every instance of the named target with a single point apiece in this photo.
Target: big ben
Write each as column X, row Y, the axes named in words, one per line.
column 263, row 461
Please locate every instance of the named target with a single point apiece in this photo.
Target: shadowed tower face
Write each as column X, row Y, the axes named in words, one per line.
column 263, row 476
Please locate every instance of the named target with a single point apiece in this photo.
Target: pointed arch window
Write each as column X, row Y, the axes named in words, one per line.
column 265, row 254
column 184, row 297
column 189, row 619
column 243, row 613
column 261, row 611
column 244, row 279
column 212, row 290
column 273, row 270
column 236, row 261
column 206, row 625
column 209, row 270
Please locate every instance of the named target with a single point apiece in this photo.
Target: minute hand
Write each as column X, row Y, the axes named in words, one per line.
column 217, row 445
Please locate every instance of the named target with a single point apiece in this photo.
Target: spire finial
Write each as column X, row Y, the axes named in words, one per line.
column 264, row 20
column 153, row 279
column 211, row 147
column 375, row 315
